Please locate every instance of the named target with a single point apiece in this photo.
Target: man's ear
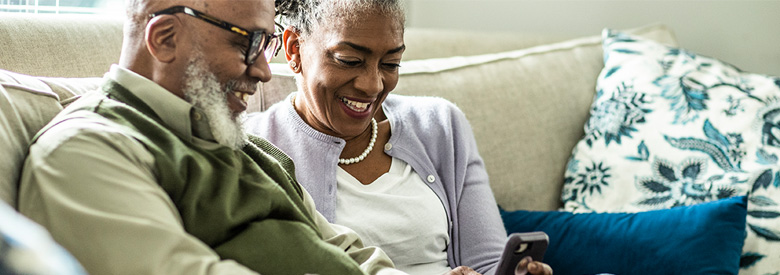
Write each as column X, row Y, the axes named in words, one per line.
column 162, row 35
column 292, row 48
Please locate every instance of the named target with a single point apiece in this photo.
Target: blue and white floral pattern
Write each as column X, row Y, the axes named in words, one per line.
column 670, row 127
column 724, row 150
column 616, row 117
column 673, row 185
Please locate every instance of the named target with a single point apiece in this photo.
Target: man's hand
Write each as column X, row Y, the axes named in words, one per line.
column 536, row 268
column 462, row 270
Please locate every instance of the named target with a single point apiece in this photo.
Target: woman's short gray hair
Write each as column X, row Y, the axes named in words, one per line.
column 307, row 15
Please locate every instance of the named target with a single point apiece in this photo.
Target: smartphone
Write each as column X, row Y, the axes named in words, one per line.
column 519, row 246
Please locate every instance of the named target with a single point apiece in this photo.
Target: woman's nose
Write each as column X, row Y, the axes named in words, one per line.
column 370, row 81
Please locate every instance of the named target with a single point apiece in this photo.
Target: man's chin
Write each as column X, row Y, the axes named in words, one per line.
column 235, row 115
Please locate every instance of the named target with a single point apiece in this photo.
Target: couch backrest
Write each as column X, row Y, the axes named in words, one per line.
column 59, row 45
column 27, row 104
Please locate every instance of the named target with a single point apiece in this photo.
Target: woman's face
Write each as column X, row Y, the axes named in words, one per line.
column 347, row 71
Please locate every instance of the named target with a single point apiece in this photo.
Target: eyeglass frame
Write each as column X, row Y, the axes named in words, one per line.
column 258, row 40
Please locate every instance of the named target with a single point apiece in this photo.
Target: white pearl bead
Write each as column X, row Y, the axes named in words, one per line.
column 374, row 131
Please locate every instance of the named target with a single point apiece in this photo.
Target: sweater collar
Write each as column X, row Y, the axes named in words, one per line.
column 301, row 125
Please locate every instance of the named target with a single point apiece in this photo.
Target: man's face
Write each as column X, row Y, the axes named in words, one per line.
column 224, row 51
column 217, row 79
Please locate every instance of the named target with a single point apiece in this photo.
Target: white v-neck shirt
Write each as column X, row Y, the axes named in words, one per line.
column 399, row 213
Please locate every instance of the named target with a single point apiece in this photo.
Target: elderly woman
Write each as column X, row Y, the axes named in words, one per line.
column 404, row 172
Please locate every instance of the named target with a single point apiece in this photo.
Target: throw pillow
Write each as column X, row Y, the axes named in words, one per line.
column 669, row 128
column 699, row 239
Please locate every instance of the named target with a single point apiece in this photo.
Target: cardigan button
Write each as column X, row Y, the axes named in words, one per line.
column 431, row 178
column 196, row 116
column 388, row 146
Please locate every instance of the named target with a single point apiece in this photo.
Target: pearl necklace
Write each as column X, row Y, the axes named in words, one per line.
column 368, row 150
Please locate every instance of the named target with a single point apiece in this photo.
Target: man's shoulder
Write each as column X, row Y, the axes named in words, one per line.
column 80, row 124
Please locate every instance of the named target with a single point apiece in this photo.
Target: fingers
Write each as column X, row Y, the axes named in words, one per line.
column 539, row 268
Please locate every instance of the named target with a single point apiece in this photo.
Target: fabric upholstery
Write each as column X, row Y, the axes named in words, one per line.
column 59, row 45
column 527, row 108
column 26, row 105
column 69, row 89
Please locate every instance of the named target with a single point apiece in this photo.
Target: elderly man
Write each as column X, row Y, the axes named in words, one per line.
column 153, row 174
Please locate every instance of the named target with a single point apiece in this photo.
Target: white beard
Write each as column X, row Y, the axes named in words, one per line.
column 202, row 90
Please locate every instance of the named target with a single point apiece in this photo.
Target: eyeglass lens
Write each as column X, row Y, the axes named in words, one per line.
column 267, row 44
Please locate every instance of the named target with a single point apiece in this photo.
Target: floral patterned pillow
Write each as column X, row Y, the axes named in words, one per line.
column 669, row 128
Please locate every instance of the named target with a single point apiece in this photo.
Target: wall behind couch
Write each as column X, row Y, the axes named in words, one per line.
column 745, row 33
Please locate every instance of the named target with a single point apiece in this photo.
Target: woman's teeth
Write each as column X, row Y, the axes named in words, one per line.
column 242, row 96
column 355, row 105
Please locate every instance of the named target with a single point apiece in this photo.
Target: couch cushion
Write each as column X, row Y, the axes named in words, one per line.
column 27, row 104
column 527, row 108
column 70, row 89
column 672, row 128
column 665, row 241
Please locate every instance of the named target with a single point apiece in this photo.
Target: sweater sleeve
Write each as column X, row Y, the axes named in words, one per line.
column 481, row 232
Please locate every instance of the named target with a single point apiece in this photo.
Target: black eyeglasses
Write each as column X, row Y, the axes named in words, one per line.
column 259, row 41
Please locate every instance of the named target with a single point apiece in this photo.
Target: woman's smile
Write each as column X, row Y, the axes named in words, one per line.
column 355, row 108
column 355, row 105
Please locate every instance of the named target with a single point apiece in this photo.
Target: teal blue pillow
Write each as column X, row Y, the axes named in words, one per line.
column 705, row 238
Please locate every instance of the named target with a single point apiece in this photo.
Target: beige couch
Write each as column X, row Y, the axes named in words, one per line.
column 527, row 98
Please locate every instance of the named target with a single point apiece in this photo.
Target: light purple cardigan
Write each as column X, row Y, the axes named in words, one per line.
column 430, row 134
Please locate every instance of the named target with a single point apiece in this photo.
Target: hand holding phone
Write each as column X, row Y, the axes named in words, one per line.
column 519, row 246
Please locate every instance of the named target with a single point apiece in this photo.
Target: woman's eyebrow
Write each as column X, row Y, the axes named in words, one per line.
column 401, row 48
column 369, row 51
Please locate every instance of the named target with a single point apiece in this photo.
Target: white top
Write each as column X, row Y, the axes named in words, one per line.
column 399, row 213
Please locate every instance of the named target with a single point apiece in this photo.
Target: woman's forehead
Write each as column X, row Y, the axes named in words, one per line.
column 377, row 25
column 376, row 36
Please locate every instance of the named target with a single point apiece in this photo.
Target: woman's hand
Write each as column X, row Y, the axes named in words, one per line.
column 462, row 270
column 536, row 268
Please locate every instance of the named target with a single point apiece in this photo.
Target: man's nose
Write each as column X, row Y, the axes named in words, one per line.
column 260, row 69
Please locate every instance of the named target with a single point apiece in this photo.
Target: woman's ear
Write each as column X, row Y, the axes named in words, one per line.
column 292, row 48
column 161, row 37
